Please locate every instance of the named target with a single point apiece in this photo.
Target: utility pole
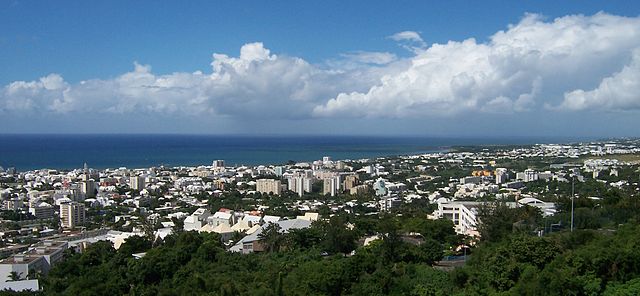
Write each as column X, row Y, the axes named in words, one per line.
column 573, row 179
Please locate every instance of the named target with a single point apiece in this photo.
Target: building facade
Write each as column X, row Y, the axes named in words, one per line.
column 72, row 214
column 269, row 186
column 136, row 182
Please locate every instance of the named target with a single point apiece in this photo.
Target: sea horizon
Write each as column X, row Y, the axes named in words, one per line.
column 69, row 151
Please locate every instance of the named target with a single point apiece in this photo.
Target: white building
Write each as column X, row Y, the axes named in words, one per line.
column 217, row 164
column 547, row 208
column 251, row 243
column 196, row 220
column 530, row 175
column 136, row 182
column 39, row 259
column 331, row 186
column 21, row 264
column 72, row 214
column 89, row 188
column 470, row 180
column 221, row 217
column 279, row 171
column 299, row 184
column 502, row 175
column 462, row 214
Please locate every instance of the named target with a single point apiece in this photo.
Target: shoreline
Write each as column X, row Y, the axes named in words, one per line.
column 137, row 152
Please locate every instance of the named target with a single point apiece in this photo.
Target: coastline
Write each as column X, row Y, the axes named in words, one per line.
column 37, row 151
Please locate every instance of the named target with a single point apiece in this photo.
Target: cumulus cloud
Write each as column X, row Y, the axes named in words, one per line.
column 531, row 61
column 571, row 63
column 257, row 83
column 27, row 95
column 620, row 91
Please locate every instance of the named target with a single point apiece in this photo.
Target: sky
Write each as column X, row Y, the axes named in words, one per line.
column 431, row 68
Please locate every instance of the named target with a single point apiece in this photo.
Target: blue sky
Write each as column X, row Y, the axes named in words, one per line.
column 75, row 60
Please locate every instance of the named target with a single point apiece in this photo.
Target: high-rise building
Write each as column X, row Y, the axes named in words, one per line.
column 368, row 169
column 72, row 214
column 331, row 186
column 299, row 183
column 136, row 182
column 12, row 204
column 74, row 193
column 269, row 186
column 88, row 187
column 42, row 211
column 530, row 175
column 502, row 175
column 359, row 189
column 308, row 174
column 307, row 184
column 350, row 181
column 279, row 171
column 88, row 174
column 218, row 164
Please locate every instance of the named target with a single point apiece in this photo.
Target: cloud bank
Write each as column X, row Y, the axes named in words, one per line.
column 532, row 64
column 570, row 64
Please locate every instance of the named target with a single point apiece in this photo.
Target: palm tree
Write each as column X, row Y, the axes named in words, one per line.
column 14, row 276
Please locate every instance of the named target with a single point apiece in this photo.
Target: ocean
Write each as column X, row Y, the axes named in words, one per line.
column 32, row 151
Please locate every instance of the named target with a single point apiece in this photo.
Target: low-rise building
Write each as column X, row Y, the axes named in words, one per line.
column 38, row 259
column 251, row 243
column 196, row 220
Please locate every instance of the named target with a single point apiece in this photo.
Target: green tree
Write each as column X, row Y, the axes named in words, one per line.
column 630, row 288
column 498, row 220
column 336, row 237
column 391, row 241
column 304, row 238
column 271, row 237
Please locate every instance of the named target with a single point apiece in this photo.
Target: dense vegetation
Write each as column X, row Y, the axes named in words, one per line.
column 319, row 261
column 316, row 261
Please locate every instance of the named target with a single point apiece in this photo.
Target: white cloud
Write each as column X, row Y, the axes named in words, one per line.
column 407, row 36
column 410, row 40
column 255, row 84
column 22, row 96
column 531, row 64
column 571, row 63
column 368, row 57
column 620, row 91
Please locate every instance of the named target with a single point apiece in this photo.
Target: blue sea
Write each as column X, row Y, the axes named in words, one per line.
column 31, row 151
